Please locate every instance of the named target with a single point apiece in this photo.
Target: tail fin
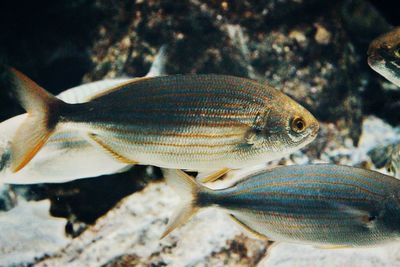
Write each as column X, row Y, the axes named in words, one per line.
column 42, row 118
column 188, row 189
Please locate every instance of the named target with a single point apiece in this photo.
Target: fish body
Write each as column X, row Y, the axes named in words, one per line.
column 322, row 205
column 67, row 155
column 384, row 55
column 196, row 122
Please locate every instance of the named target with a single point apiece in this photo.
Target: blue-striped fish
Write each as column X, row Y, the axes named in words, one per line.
column 323, row 205
column 67, row 155
column 384, row 55
column 196, row 122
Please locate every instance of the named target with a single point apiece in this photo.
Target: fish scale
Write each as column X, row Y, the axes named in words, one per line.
column 198, row 122
column 177, row 117
column 318, row 204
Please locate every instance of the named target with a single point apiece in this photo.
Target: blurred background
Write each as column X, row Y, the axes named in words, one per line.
column 312, row 50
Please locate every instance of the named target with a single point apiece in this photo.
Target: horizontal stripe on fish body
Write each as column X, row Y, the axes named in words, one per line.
column 182, row 116
column 173, row 94
column 348, row 231
column 170, row 155
column 315, row 204
column 195, row 87
column 235, row 122
column 342, row 177
column 68, row 140
column 141, row 131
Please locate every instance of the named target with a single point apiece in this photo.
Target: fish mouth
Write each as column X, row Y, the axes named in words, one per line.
column 374, row 60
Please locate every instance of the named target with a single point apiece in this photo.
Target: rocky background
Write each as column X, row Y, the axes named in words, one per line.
column 315, row 51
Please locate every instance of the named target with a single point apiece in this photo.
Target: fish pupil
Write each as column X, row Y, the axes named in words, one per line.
column 300, row 125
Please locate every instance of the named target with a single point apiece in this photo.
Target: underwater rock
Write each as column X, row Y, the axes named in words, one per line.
column 28, row 232
column 7, row 198
column 288, row 255
column 131, row 232
column 377, row 132
column 81, row 202
column 377, row 143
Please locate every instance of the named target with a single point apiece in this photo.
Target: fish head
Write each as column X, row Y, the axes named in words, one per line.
column 288, row 126
column 384, row 55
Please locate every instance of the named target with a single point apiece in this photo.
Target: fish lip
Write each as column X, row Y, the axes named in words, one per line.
column 374, row 59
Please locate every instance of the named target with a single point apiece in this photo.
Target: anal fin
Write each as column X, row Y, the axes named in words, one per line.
column 252, row 231
column 111, row 151
column 213, row 176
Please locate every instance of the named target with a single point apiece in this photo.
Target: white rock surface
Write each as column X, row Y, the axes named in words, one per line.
column 135, row 226
column 28, row 232
column 293, row 255
column 375, row 132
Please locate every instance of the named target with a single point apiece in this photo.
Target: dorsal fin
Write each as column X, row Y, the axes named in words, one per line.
column 118, row 87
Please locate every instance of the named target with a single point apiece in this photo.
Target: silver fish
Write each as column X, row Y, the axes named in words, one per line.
column 384, row 55
column 67, row 155
column 323, row 205
column 196, row 122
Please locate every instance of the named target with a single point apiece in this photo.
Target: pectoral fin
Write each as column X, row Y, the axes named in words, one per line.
column 252, row 231
column 364, row 218
column 206, row 178
column 99, row 141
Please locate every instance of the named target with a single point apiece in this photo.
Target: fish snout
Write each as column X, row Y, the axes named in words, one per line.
column 374, row 59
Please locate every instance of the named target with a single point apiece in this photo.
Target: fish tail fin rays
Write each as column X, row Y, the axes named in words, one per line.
column 42, row 118
column 188, row 190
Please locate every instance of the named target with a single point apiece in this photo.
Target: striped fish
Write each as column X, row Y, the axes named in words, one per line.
column 196, row 122
column 59, row 159
column 384, row 55
column 67, row 155
column 324, row 205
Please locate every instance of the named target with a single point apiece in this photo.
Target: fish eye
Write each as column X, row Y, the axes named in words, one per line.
column 298, row 125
